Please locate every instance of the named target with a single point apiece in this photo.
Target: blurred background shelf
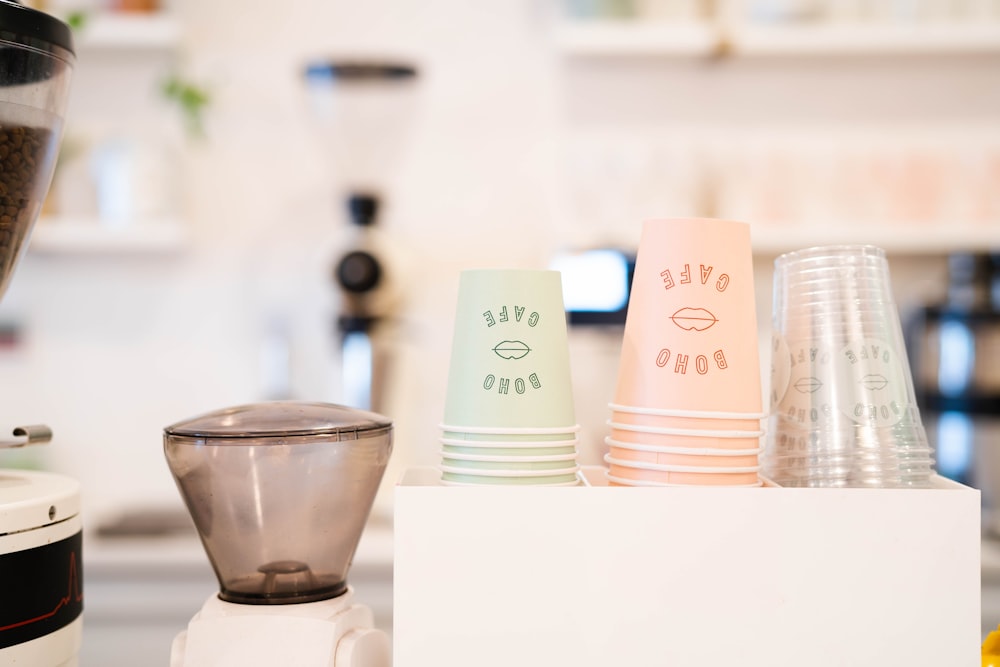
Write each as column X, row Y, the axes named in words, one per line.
column 621, row 37
column 915, row 239
column 86, row 236
column 849, row 39
column 624, row 37
column 145, row 31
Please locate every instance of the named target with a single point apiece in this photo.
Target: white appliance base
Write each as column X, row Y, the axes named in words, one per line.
column 328, row 633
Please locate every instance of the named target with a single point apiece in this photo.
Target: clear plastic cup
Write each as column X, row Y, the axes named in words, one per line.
column 842, row 392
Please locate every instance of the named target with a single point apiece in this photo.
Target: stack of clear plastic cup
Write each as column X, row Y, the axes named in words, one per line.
column 509, row 416
column 687, row 405
column 843, row 408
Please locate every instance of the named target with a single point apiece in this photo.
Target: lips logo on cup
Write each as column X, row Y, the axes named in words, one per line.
column 807, row 385
column 694, row 319
column 874, row 382
column 511, row 349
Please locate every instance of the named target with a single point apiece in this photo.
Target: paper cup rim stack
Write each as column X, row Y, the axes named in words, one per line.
column 517, row 462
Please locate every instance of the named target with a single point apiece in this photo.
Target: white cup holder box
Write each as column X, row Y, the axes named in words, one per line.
column 684, row 576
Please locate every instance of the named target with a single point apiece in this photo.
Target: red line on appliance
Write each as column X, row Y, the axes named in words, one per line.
column 74, row 583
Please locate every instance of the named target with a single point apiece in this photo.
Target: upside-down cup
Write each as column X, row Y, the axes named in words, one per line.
column 683, row 478
column 841, row 383
column 690, row 456
column 509, row 372
column 686, row 438
column 685, row 419
column 690, row 338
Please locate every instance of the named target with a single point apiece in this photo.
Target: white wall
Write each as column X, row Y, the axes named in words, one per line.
column 115, row 348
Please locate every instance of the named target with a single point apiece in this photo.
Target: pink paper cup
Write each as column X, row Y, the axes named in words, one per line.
column 684, row 468
column 685, row 419
column 702, row 460
column 694, row 439
column 619, row 481
column 689, row 442
column 683, row 478
column 691, row 451
column 690, row 338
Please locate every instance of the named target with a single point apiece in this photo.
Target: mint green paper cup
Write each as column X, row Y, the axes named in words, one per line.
column 512, row 436
column 512, row 466
column 478, row 480
column 509, row 366
column 508, row 451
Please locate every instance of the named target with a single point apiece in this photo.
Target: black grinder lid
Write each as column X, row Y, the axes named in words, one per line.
column 33, row 28
column 31, row 44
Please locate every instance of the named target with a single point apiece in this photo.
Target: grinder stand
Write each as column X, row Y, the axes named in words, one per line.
column 329, row 633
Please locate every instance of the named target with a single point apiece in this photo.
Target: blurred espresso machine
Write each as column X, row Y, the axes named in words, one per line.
column 364, row 110
column 955, row 354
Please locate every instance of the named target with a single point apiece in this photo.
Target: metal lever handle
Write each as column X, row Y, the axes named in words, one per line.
column 36, row 434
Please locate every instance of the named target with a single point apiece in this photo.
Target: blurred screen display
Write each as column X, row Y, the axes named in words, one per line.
column 596, row 284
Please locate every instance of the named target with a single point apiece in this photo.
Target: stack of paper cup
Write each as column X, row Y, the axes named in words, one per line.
column 509, row 417
column 843, row 406
column 687, row 406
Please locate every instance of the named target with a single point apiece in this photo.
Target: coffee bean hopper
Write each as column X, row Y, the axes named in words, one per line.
column 280, row 493
column 41, row 599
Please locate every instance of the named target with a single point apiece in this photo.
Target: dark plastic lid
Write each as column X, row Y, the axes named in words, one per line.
column 358, row 71
column 279, row 418
column 30, row 26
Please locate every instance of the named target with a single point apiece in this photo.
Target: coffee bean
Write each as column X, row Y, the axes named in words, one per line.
column 23, row 172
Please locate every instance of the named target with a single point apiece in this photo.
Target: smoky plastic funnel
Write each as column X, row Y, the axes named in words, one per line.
column 36, row 64
column 280, row 493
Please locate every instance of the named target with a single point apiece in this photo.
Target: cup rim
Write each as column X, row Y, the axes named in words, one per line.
column 691, row 451
column 446, row 482
column 665, row 467
column 693, row 432
column 643, row 482
column 859, row 250
column 500, row 430
column 694, row 414
column 499, row 458
column 511, row 444
column 476, row 472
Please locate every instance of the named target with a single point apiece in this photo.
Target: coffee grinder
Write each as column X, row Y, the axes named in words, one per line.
column 280, row 493
column 41, row 596
column 363, row 110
